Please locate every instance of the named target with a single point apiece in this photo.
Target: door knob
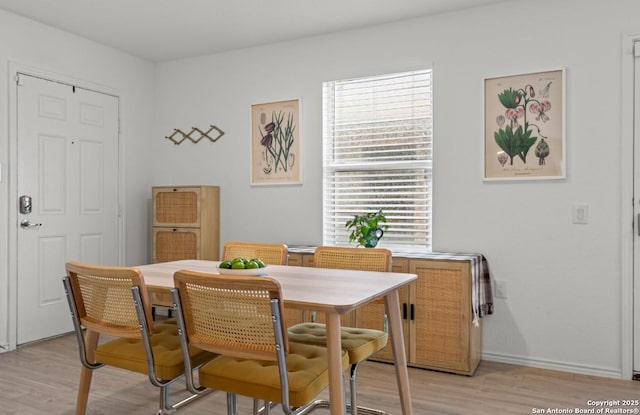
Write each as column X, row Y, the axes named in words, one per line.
column 26, row 224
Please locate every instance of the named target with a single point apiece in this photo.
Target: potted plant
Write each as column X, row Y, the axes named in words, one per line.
column 367, row 229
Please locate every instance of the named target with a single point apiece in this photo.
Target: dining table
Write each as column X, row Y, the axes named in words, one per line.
column 332, row 291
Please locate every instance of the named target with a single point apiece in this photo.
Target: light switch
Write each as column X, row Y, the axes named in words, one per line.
column 580, row 213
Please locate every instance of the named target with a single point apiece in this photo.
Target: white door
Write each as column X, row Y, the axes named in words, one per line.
column 68, row 167
column 636, row 197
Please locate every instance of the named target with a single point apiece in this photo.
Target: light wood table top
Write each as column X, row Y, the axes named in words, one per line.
column 332, row 291
column 302, row 287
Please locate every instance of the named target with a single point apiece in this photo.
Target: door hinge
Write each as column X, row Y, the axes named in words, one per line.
column 636, row 49
column 19, row 80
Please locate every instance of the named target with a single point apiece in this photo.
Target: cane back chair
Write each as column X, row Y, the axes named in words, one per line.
column 113, row 301
column 239, row 317
column 360, row 343
column 271, row 254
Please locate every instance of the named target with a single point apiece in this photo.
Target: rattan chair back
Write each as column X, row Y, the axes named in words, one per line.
column 230, row 315
column 104, row 299
column 360, row 343
column 271, row 254
column 365, row 259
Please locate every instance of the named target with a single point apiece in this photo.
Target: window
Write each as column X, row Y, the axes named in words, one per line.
column 378, row 155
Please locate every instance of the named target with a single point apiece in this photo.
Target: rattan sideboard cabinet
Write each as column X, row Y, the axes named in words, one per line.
column 437, row 314
column 438, row 318
column 186, row 223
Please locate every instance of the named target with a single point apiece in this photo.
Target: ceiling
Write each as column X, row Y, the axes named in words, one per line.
column 161, row 30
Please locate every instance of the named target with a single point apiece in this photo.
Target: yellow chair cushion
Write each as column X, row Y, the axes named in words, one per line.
column 306, row 366
column 129, row 354
column 359, row 343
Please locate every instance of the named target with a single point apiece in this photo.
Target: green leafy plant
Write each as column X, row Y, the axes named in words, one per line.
column 367, row 229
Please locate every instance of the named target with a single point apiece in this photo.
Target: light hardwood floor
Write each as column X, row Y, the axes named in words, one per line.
column 42, row 378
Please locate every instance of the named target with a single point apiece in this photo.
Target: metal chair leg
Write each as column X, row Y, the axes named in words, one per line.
column 264, row 409
column 164, row 400
column 232, row 404
column 352, row 389
column 353, row 407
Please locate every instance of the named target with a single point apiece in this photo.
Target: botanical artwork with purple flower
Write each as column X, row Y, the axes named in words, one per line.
column 275, row 143
column 523, row 126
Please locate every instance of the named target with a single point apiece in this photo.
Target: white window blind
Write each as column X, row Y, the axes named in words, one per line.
column 378, row 155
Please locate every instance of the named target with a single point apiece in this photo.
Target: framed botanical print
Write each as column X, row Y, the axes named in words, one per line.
column 524, row 126
column 275, row 143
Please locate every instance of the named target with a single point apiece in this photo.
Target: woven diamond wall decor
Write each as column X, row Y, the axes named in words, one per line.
column 188, row 136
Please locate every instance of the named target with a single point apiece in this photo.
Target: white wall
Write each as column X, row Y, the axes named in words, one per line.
column 564, row 280
column 51, row 51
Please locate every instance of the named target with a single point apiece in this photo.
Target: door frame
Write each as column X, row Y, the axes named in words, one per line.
column 14, row 69
column 627, row 211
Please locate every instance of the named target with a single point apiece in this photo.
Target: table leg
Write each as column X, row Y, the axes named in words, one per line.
column 399, row 357
column 334, row 348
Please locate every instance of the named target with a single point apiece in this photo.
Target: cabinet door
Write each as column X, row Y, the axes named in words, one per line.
column 440, row 330
column 174, row 244
column 293, row 316
column 372, row 314
column 176, row 206
column 307, row 260
column 295, row 259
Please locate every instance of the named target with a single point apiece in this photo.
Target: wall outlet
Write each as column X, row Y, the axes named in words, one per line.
column 501, row 289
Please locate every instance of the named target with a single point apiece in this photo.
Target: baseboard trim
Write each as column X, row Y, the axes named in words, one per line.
column 553, row 365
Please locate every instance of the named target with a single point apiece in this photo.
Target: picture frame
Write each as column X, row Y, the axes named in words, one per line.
column 524, row 126
column 275, row 143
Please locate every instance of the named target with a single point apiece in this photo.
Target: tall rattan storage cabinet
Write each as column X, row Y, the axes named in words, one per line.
column 186, row 223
